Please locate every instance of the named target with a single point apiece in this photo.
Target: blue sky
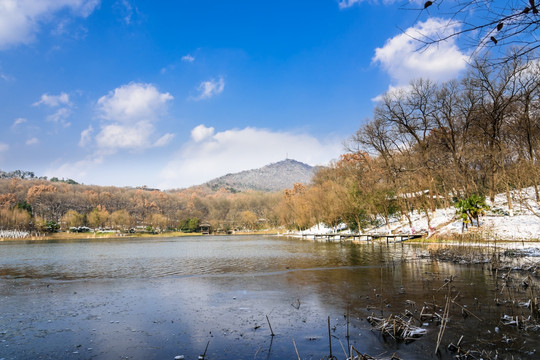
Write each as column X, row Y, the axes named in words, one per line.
column 170, row 94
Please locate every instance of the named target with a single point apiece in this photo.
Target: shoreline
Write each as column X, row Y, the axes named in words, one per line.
column 104, row 235
column 469, row 241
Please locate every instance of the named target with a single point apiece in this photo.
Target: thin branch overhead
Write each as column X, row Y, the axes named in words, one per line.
column 483, row 25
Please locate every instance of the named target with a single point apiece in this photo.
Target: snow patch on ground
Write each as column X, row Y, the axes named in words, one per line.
column 517, row 227
column 13, row 234
column 522, row 223
column 530, row 251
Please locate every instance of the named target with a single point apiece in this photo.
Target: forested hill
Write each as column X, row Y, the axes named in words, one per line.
column 274, row 177
column 17, row 174
column 29, row 175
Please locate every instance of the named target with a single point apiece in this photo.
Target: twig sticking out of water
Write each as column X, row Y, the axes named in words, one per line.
column 443, row 323
column 454, row 348
column 534, row 307
column 271, row 331
column 329, row 339
column 347, row 322
column 446, row 282
column 203, row 356
column 382, row 288
column 463, row 354
column 296, row 349
column 465, row 310
column 342, row 348
column 256, row 352
column 360, row 356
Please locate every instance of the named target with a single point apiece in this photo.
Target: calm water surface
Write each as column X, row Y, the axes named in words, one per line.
column 159, row 298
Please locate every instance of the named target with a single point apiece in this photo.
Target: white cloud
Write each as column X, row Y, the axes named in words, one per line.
column 60, row 117
column 403, row 61
column 127, row 10
column 171, row 67
column 129, row 116
column 164, row 140
column 133, row 102
column 53, row 100
column 393, row 90
column 201, row 132
column 86, row 137
column 130, row 113
column 210, row 155
column 3, row 148
column 121, row 136
column 18, row 121
column 20, row 20
column 6, row 77
column 188, row 58
column 343, row 4
column 32, row 141
column 78, row 170
column 208, row 89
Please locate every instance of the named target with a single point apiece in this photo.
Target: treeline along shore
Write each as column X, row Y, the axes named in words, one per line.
column 428, row 146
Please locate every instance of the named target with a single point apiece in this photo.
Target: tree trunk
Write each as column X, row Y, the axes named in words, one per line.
column 492, row 189
column 428, row 220
column 509, row 199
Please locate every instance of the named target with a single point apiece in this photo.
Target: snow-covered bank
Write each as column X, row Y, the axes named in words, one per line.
column 521, row 223
column 13, row 234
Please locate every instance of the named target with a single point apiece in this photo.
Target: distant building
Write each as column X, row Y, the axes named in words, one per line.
column 205, row 228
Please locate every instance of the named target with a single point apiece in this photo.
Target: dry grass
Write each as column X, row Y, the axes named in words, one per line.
column 102, row 235
column 106, row 235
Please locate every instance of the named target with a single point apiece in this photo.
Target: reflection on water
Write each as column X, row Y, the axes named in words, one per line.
column 119, row 259
column 158, row 298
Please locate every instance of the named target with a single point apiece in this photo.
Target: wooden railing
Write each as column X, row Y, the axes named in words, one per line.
column 362, row 237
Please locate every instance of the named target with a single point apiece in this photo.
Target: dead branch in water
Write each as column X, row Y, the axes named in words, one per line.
column 271, row 331
column 397, row 327
column 443, row 323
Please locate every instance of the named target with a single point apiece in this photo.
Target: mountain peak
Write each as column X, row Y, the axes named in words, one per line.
column 272, row 177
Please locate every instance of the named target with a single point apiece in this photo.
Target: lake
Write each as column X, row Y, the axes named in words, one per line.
column 163, row 297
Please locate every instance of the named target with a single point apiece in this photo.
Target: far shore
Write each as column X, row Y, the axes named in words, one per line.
column 465, row 239
column 62, row 235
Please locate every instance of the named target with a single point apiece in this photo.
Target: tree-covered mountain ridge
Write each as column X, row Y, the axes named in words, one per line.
column 269, row 178
column 273, row 177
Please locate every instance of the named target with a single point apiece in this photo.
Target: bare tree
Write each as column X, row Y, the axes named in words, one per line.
column 497, row 89
column 485, row 25
column 525, row 123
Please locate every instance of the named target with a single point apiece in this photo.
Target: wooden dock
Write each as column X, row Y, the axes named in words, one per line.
column 394, row 238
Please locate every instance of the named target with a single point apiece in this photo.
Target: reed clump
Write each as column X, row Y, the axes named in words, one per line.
column 400, row 328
